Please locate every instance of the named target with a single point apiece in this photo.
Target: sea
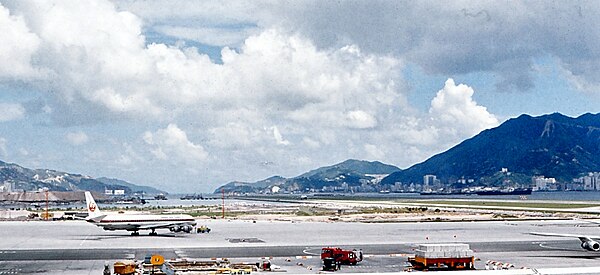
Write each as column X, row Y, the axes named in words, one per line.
column 588, row 196
column 564, row 196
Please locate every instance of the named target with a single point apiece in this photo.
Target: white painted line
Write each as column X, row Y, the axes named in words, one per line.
column 305, row 251
column 82, row 241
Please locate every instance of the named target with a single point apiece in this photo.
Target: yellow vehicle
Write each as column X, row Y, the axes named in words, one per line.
column 203, row 229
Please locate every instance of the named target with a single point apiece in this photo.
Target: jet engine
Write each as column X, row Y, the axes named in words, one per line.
column 591, row 245
column 175, row 228
column 181, row 228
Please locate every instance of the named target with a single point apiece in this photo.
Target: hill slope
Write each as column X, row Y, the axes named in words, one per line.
column 348, row 174
column 551, row 145
column 22, row 178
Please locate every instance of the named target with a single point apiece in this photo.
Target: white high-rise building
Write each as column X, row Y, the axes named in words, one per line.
column 591, row 181
column 429, row 182
column 542, row 183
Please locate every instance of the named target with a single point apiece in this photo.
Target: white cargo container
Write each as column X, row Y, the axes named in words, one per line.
column 447, row 256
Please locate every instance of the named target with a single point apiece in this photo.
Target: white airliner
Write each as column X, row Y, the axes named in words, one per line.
column 135, row 223
column 587, row 242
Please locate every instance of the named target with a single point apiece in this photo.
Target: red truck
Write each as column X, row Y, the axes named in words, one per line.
column 351, row 257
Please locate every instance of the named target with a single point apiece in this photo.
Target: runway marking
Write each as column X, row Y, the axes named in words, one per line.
column 181, row 254
column 543, row 245
column 86, row 237
column 305, row 251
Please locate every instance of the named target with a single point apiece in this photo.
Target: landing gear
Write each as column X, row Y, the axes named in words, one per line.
column 135, row 233
column 153, row 233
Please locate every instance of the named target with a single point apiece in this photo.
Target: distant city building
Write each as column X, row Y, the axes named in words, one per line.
column 541, row 183
column 505, row 171
column 590, row 182
column 430, row 182
column 465, row 181
column 108, row 192
column 6, row 187
column 575, row 185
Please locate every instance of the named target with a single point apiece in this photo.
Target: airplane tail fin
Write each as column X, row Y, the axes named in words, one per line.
column 92, row 207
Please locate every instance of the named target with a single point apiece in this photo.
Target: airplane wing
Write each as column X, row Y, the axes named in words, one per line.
column 580, row 237
column 95, row 219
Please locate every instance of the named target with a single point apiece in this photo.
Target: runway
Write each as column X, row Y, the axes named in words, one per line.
column 76, row 247
column 262, row 251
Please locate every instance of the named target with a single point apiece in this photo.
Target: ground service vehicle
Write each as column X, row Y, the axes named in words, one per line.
column 442, row 256
column 203, row 229
column 329, row 264
column 351, row 257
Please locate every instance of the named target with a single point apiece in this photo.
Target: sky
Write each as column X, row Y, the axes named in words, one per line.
column 188, row 95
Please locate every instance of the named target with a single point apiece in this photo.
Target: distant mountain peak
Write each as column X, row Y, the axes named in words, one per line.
column 21, row 178
column 552, row 145
column 349, row 173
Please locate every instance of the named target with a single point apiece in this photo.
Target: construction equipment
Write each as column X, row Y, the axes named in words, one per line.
column 342, row 256
column 442, row 256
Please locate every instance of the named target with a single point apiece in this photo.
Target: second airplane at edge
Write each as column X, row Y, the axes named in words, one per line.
column 588, row 243
column 137, row 222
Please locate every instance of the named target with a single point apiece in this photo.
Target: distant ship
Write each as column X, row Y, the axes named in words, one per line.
column 445, row 192
column 160, row 197
column 192, row 197
column 509, row 191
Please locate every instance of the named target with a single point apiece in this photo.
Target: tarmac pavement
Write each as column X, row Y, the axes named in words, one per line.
column 76, row 247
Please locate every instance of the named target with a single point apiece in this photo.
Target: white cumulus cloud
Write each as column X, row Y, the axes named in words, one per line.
column 172, row 143
column 17, row 46
column 360, row 119
column 329, row 101
column 453, row 106
column 210, row 36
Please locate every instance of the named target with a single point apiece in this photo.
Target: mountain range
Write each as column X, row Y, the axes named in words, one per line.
column 344, row 176
column 21, row 178
column 552, row 145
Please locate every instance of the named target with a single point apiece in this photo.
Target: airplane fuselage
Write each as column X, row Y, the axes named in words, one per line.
column 135, row 223
column 142, row 222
